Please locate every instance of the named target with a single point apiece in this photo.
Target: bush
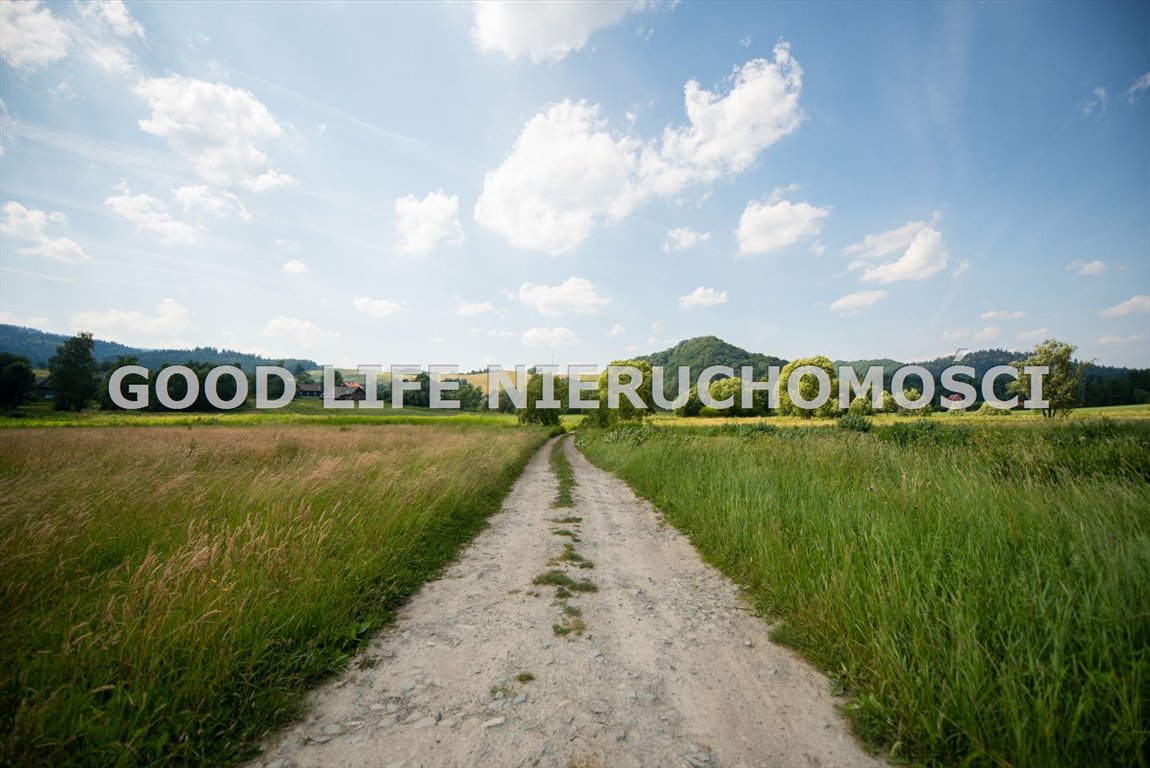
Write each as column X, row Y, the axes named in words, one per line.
column 989, row 410
column 854, row 422
column 861, row 406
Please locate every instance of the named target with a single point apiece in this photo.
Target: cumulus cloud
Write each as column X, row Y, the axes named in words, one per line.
column 1035, row 335
column 219, row 129
column 703, row 297
column 574, row 295
column 31, row 36
column 549, row 337
column 295, row 267
column 304, row 333
column 425, row 224
column 201, row 200
column 616, row 330
column 568, row 172
column 1000, row 314
column 955, row 334
column 564, row 173
column 923, row 253
column 1132, row 339
column 29, row 225
column 170, row 317
column 960, row 267
column 543, row 31
column 853, row 302
column 989, row 333
column 1137, row 305
column 773, row 224
column 1087, row 268
column 150, row 214
column 377, row 307
column 682, row 238
column 470, row 309
column 111, row 58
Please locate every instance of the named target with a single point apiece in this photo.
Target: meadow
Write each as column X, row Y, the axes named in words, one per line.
column 980, row 595
column 170, row 592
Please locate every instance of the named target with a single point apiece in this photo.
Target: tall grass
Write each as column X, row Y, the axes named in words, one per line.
column 168, row 593
column 982, row 595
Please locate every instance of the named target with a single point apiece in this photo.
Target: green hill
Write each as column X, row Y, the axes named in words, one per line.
column 39, row 346
column 703, row 351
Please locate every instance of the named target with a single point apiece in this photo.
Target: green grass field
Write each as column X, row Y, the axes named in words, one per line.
column 170, row 592
column 981, row 594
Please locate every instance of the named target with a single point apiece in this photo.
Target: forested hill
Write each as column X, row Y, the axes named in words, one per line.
column 38, row 347
column 702, row 351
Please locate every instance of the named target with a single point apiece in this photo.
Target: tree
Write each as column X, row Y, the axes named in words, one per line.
column 808, row 388
column 1060, row 386
column 603, row 416
column 533, row 414
column 17, row 381
column 73, row 370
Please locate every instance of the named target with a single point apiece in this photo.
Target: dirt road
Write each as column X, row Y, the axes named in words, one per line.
column 670, row 668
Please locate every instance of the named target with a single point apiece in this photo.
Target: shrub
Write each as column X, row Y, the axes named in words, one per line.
column 854, row 422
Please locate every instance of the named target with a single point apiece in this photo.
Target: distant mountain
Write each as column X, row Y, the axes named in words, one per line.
column 38, row 347
column 703, row 351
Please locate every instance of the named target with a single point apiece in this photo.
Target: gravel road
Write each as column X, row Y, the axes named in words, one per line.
column 670, row 668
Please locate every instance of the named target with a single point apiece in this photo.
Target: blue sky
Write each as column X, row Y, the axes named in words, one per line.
column 484, row 183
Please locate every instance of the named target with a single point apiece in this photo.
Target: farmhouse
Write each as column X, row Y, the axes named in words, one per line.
column 308, row 390
column 44, row 388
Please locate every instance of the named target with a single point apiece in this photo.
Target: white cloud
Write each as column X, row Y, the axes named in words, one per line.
column 170, row 317
column 112, row 58
column 989, row 333
column 956, row 334
column 304, row 333
column 470, row 309
column 1138, row 305
column 425, row 224
column 1108, row 339
column 201, row 200
column 150, row 215
column 960, row 267
column 287, row 244
column 703, row 297
column 28, row 224
column 549, row 337
column 377, row 307
column 30, row 36
column 567, row 172
column 1035, row 335
column 616, row 330
column 493, row 333
column 1000, row 314
column 1087, row 268
column 572, row 295
column 115, row 14
column 924, row 253
column 544, row 31
column 1098, row 102
column 745, row 41
column 771, row 225
column 726, row 133
column 1139, row 85
column 682, row 238
column 295, row 267
column 269, row 180
column 216, row 127
column 853, row 302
